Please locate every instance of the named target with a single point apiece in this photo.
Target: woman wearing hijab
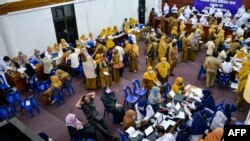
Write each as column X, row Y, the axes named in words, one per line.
column 116, row 71
column 200, row 124
column 241, row 54
column 149, row 79
column 133, row 67
column 63, row 75
column 219, row 40
column 110, row 103
column 89, row 67
column 183, row 132
column 178, row 86
column 173, row 56
column 229, row 108
column 154, row 98
column 194, row 46
column 129, row 119
column 150, row 53
column 211, row 33
column 115, row 31
column 144, row 111
column 163, row 69
column 110, row 44
column 208, row 100
column 182, row 26
column 78, row 129
column 215, row 135
column 162, row 51
column 63, row 44
column 103, row 71
column 55, row 83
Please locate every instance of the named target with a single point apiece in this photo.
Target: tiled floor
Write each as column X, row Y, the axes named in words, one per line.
column 51, row 119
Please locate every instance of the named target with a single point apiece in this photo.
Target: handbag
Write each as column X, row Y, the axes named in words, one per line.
column 118, row 65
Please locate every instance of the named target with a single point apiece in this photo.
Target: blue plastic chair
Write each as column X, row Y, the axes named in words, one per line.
column 43, row 86
column 166, row 89
column 129, row 97
column 67, row 85
column 52, row 72
column 78, row 70
column 33, row 60
column 33, row 84
column 224, row 79
column 201, row 72
column 122, row 135
column 5, row 112
column 137, row 88
column 3, row 85
column 30, row 104
column 13, row 98
column 58, row 96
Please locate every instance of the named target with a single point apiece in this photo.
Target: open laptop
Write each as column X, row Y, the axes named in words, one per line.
column 150, row 134
column 54, row 55
column 177, row 107
column 158, row 121
column 178, row 98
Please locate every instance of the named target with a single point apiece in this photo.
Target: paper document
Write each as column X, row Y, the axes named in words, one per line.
column 180, row 115
column 132, row 132
column 197, row 92
column 187, row 86
column 234, row 85
column 27, row 103
column 171, row 93
column 105, row 73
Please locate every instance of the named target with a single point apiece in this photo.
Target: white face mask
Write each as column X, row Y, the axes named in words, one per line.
column 108, row 91
column 151, row 72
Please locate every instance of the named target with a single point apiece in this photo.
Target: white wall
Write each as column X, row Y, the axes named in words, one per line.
column 94, row 15
column 34, row 29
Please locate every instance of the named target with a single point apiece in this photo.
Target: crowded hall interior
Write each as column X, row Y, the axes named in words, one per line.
column 123, row 70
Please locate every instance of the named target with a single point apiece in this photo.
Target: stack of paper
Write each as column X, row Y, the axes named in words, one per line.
column 171, row 93
column 197, row 91
column 132, row 132
column 180, row 115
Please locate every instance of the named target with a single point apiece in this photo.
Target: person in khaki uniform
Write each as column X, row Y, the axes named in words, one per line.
column 103, row 77
column 182, row 26
column 242, row 77
column 163, row 20
column 211, row 33
column 173, row 54
column 234, row 47
column 185, row 45
column 163, row 69
column 149, row 78
column 150, row 53
column 219, row 40
column 100, row 49
column 162, row 48
column 133, row 67
column 211, row 65
column 55, row 83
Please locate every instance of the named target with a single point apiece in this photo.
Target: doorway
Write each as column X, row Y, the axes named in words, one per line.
column 65, row 23
column 141, row 11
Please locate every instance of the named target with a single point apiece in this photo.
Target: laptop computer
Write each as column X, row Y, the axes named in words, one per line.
column 150, row 134
column 159, row 119
column 54, row 55
column 177, row 107
column 178, row 98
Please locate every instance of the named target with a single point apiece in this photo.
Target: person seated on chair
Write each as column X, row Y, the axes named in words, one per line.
column 144, row 111
column 129, row 119
column 227, row 66
column 208, row 100
column 183, row 132
column 22, row 58
column 215, row 135
column 154, row 98
column 163, row 136
column 86, row 103
column 63, row 75
column 29, row 73
column 178, row 86
column 76, row 128
column 110, row 104
column 149, row 79
column 55, row 83
column 74, row 59
column 47, row 65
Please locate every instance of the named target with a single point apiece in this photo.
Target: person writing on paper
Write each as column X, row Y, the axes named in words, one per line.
column 154, row 98
column 77, row 128
column 111, row 104
column 178, row 86
column 102, row 71
column 129, row 119
column 149, row 79
column 86, row 103
column 144, row 111
column 163, row 136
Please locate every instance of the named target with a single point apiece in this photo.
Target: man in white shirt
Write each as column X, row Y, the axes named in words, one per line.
column 74, row 59
column 227, row 66
column 120, row 52
column 240, row 31
column 144, row 111
column 4, row 61
column 210, row 47
column 47, row 65
column 163, row 136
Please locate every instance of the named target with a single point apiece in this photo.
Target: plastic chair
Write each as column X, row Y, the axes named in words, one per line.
column 166, row 89
column 33, row 84
column 30, row 104
column 5, row 112
column 122, row 135
column 3, row 85
column 224, row 79
column 67, row 85
column 201, row 72
column 13, row 98
column 78, row 70
column 43, row 86
column 129, row 97
column 137, row 88
column 58, row 96
column 33, row 60
column 53, row 71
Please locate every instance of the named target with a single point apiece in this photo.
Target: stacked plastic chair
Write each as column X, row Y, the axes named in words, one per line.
column 137, row 88
column 129, row 97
